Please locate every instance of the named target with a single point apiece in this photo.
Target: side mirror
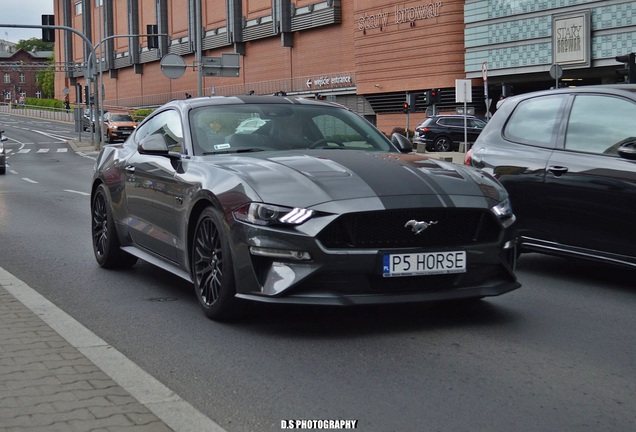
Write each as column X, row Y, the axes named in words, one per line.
column 153, row 144
column 2, row 137
column 402, row 143
column 628, row 150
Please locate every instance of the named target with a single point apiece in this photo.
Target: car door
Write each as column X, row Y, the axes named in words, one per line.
column 455, row 127
column 150, row 187
column 591, row 190
column 516, row 147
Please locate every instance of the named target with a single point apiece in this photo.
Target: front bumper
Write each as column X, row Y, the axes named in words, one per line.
column 354, row 277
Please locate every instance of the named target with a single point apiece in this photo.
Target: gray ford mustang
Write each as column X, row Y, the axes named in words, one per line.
column 309, row 205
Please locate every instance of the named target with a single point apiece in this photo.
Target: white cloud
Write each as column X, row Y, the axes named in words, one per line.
column 25, row 12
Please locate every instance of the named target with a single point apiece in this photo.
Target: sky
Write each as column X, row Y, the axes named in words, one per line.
column 23, row 12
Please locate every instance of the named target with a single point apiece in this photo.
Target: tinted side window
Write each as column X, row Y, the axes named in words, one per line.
column 453, row 122
column 536, row 121
column 166, row 124
column 598, row 124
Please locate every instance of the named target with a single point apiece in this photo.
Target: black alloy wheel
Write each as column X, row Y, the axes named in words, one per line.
column 442, row 144
column 105, row 242
column 212, row 268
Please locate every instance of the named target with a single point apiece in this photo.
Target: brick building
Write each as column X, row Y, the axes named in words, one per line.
column 18, row 69
column 366, row 54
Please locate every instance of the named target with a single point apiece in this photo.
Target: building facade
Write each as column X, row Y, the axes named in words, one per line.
column 366, row 54
column 18, row 69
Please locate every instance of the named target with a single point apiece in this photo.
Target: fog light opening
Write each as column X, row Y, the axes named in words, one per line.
column 280, row 253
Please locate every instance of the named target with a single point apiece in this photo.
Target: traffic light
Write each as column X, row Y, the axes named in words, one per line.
column 48, row 34
column 411, row 99
column 432, row 96
column 153, row 41
column 628, row 71
column 405, row 107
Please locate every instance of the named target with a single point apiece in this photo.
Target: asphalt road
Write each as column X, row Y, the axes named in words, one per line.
column 556, row 355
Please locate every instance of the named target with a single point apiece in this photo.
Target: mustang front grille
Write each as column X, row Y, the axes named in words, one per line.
column 386, row 229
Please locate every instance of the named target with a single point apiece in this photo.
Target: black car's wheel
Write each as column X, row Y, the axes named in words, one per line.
column 3, row 169
column 442, row 144
column 105, row 242
column 212, row 268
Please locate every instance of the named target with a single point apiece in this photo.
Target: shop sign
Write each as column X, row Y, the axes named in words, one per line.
column 400, row 15
column 571, row 35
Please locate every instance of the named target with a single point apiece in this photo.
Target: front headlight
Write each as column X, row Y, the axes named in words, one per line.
column 503, row 210
column 267, row 214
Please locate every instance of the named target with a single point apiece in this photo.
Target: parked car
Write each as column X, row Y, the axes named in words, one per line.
column 88, row 120
column 446, row 132
column 3, row 155
column 568, row 159
column 118, row 126
column 317, row 207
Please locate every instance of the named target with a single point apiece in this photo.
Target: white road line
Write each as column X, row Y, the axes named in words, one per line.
column 44, row 150
column 62, row 150
column 24, row 150
column 77, row 192
column 29, row 180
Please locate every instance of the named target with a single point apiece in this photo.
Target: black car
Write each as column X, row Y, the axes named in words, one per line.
column 568, row 159
column 3, row 155
column 315, row 206
column 446, row 132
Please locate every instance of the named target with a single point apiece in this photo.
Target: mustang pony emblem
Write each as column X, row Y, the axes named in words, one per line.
column 418, row 226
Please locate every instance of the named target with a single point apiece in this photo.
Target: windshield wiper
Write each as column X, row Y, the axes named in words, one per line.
column 242, row 150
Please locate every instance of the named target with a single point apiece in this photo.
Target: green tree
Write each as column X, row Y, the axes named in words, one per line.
column 46, row 79
column 35, row 44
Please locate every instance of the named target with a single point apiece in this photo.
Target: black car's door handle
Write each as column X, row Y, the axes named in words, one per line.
column 130, row 169
column 558, row 170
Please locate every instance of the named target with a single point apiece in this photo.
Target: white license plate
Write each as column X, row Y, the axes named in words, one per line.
column 425, row 263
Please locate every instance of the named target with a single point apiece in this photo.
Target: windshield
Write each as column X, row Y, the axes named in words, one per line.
column 121, row 117
column 263, row 127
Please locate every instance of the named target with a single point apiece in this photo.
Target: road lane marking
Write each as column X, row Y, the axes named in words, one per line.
column 26, row 179
column 77, row 192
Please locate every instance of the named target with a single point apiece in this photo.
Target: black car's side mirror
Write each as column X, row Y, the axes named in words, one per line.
column 2, row 137
column 402, row 143
column 154, row 145
column 628, row 150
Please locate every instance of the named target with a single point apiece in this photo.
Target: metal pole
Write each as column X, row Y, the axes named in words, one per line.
column 198, row 45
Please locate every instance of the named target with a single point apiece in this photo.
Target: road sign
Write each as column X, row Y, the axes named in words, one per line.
column 556, row 71
column 463, row 90
column 173, row 65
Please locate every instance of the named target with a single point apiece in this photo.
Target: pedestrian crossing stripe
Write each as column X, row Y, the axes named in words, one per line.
column 44, row 150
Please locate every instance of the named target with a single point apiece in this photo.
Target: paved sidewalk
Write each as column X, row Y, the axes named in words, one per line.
column 57, row 376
